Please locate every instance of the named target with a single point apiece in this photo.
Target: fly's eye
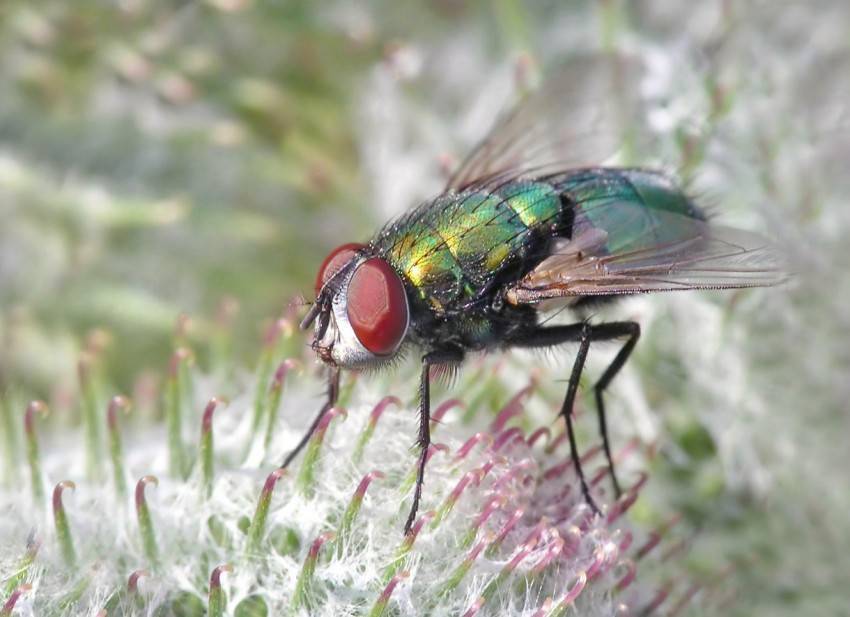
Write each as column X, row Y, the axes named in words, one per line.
column 377, row 306
column 338, row 257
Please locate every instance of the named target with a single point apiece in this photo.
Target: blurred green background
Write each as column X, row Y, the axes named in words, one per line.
column 161, row 158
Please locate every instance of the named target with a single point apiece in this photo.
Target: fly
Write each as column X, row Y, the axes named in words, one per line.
column 518, row 231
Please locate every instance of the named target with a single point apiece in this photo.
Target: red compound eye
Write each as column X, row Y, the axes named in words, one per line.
column 377, row 306
column 338, row 257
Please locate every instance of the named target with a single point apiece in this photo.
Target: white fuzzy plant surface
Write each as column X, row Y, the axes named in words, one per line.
column 198, row 520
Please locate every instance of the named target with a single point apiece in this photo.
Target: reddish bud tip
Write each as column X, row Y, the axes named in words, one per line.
column 318, row 543
column 133, row 580
column 382, row 405
column 58, row 490
column 215, row 577
column 394, row 581
column 209, row 411
column 513, row 408
column 29, row 415
column 281, row 372
column 180, row 355
column 13, row 599
column 140, row 489
column 444, row 408
column 116, row 404
column 365, row 482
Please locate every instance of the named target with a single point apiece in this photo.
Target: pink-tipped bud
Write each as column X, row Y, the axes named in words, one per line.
column 387, row 593
column 133, row 580
column 271, row 481
column 282, row 370
column 513, row 408
column 494, row 503
column 181, row 355
column 382, row 405
column 544, row 608
column 444, row 408
column 116, row 404
column 215, row 576
column 470, row 443
column 58, row 490
column 434, row 448
column 509, row 525
column 9, row 606
column 325, row 422
column 628, row 576
column 366, row 481
column 541, row 433
column 577, row 588
column 418, row 525
column 209, row 411
column 318, row 543
column 656, row 536
column 35, row 407
column 140, row 489
column 273, row 333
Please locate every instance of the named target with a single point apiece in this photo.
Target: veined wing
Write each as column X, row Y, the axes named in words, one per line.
column 578, row 117
column 671, row 252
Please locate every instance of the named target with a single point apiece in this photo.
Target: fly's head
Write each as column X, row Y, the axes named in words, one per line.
column 361, row 314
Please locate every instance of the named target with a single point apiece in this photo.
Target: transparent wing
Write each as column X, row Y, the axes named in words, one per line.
column 699, row 255
column 578, row 117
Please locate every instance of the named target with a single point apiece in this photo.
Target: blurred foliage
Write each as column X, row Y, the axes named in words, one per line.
column 158, row 157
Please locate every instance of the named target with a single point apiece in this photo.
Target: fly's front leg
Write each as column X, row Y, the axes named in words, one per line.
column 424, row 439
column 333, row 395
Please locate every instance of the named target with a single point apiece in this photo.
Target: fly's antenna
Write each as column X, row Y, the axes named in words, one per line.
column 311, row 315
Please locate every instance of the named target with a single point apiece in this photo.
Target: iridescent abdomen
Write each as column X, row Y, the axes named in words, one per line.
column 631, row 206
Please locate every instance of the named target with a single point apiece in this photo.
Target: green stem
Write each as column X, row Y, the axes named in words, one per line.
column 380, row 606
column 306, row 480
column 10, row 438
column 143, row 515
column 217, row 598
column 116, row 451
column 87, row 372
column 33, row 455
column 9, row 606
column 406, row 546
column 304, row 586
column 63, row 530
column 368, row 431
column 276, row 392
column 207, row 449
column 174, row 394
column 22, row 570
column 264, row 371
column 258, row 524
column 353, row 509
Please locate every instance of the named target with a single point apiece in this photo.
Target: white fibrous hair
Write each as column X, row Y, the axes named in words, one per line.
column 198, row 513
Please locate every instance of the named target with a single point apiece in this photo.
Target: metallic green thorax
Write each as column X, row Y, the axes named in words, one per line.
column 454, row 250
column 449, row 249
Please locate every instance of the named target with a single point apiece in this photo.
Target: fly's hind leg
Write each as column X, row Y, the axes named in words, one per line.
column 614, row 330
column 584, row 334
